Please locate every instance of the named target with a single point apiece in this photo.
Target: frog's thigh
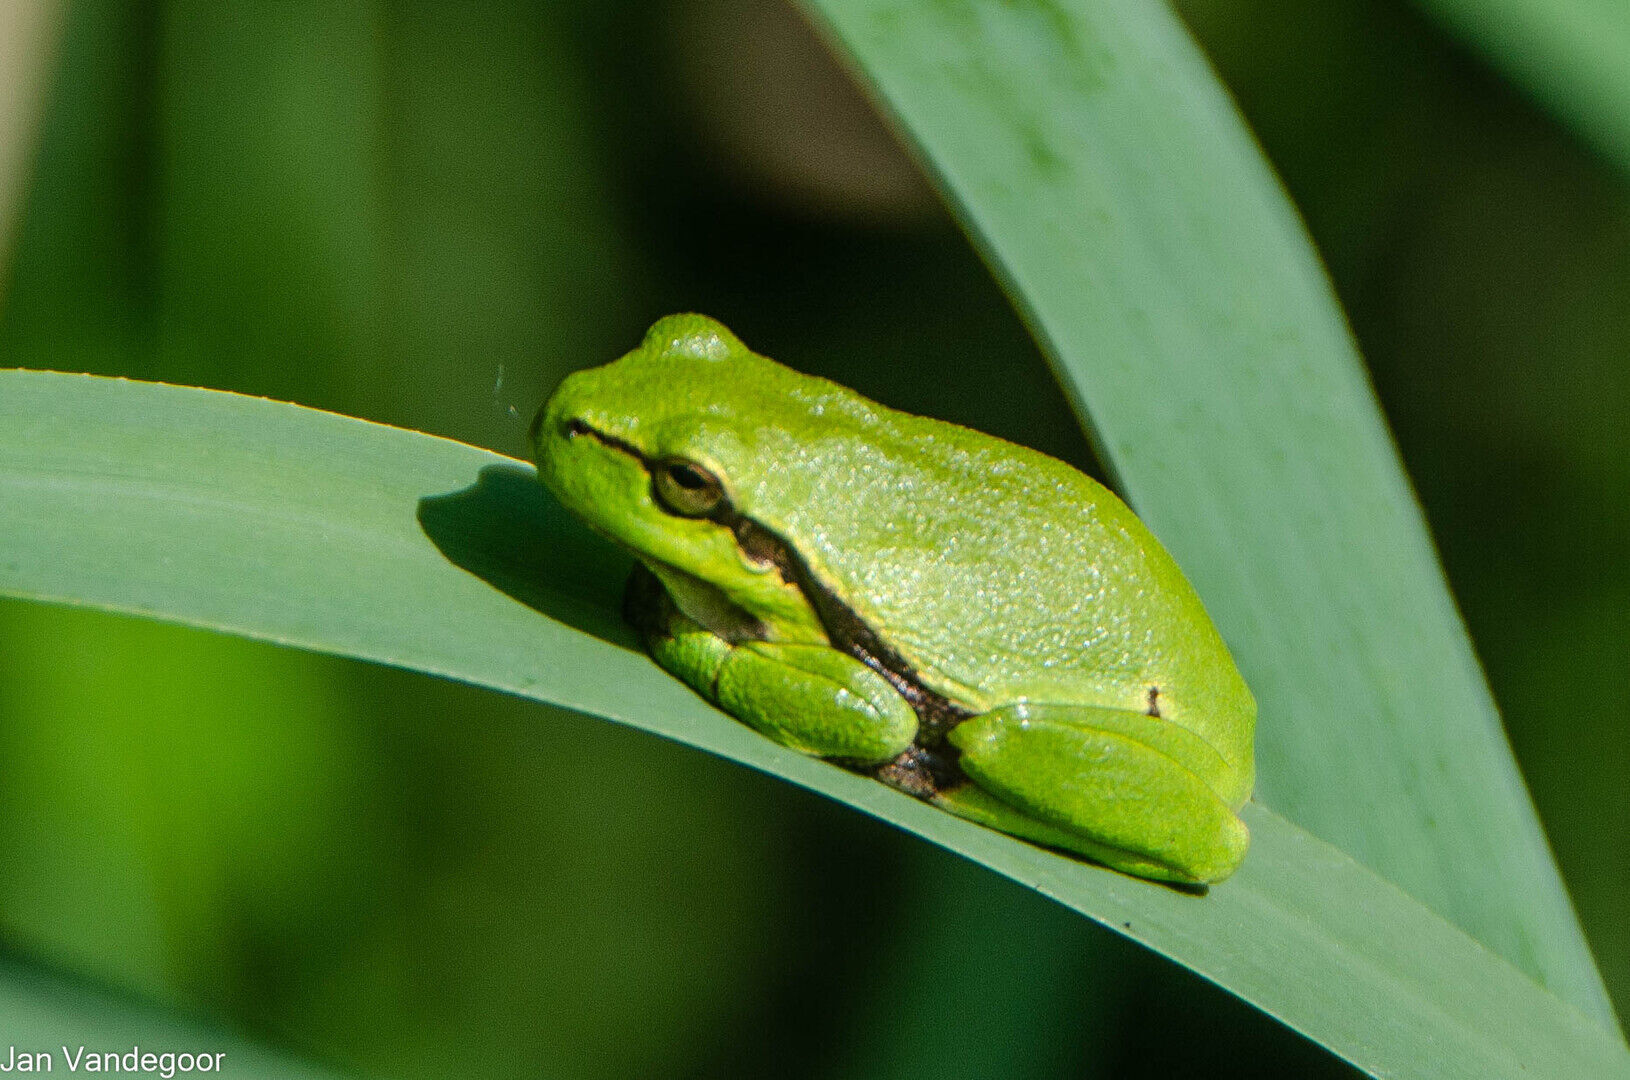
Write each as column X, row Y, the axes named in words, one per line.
column 1087, row 779
column 809, row 697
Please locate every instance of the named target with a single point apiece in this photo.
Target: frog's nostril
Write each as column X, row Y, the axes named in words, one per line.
column 576, row 428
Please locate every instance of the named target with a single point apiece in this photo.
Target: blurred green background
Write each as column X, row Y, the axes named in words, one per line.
column 425, row 213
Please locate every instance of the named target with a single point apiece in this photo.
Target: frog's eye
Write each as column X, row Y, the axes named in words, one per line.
column 687, row 489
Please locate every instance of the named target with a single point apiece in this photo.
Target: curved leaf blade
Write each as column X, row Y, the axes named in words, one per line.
column 1573, row 55
column 1099, row 164
column 328, row 533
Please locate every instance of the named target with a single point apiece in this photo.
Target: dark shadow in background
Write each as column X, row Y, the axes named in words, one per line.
column 509, row 532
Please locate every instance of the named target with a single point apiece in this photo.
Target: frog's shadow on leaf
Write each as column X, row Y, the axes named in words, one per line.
column 509, row 532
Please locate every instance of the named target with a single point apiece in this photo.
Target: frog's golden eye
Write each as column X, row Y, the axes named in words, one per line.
column 687, row 489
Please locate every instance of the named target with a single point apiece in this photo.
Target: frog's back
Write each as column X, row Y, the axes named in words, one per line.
column 997, row 572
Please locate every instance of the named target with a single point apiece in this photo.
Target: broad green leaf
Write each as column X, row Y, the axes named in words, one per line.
column 1573, row 55
column 319, row 531
column 1099, row 164
column 46, row 1013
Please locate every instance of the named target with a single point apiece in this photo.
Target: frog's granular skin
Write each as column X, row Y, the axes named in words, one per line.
column 936, row 714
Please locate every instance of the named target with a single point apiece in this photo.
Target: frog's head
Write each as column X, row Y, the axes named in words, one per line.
column 661, row 449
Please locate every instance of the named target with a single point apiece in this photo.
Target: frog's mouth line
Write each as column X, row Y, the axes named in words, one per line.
column 929, row 765
column 577, row 426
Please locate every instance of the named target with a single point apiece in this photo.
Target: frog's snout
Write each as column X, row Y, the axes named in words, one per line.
column 551, row 425
column 535, row 427
column 561, row 414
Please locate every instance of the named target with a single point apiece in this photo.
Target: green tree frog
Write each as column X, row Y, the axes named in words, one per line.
column 967, row 620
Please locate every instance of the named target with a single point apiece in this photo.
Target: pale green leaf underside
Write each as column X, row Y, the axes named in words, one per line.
column 1098, row 163
column 324, row 532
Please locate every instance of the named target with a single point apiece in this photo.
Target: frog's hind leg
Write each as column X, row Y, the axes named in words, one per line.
column 1119, row 787
column 974, row 803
